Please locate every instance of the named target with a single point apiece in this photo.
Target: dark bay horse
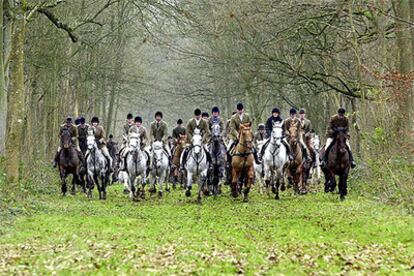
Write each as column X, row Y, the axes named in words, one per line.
column 338, row 163
column 69, row 163
column 296, row 168
column 242, row 164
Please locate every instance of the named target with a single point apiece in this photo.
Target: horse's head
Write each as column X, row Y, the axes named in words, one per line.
column 66, row 138
column 294, row 133
column 197, row 142
column 158, row 150
column 216, row 132
column 277, row 132
column 246, row 135
column 90, row 142
column 134, row 141
column 340, row 137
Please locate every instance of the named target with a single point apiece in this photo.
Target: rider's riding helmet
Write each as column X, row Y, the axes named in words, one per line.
column 293, row 111
column 138, row 119
column 111, row 136
column 82, row 120
column 240, row 106
column 77, row 121
column 261, row 126
column 129, row 116
column 215, row 109
column 158, row 114
column 302, row 111
column 341, row 111
column 95, row 120
column 197, row 112
column 276, row 110
column 179, row 122
column 68, row 119
column 205, row 114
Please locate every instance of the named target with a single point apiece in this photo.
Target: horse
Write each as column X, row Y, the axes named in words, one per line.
column 159, row 167
column 242, row 163
column 274, row 159
column 136, row 165
column 113, row 152
column 313, row 172
column 338, row 163
column 218, row 157
column 97, row 168
column 196, row 165
column 295, row 168
column 69, row 163
column 259, row 168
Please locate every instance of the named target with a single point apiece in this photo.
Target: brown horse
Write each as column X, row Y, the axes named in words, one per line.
column 242, row 164
column 338, row 163
column 69, row 163
column 296, row 168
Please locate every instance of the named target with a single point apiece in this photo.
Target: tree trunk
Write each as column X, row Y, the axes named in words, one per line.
column 16, row 97
column 3, row 95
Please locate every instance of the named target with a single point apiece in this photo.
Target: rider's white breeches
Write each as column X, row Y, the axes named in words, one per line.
column 330, row 140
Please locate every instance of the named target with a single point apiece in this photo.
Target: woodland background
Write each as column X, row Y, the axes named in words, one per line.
column 111, row 57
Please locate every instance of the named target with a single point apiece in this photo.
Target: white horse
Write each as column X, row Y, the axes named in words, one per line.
column 136, row 165
column 159, row 167
column 196, row 165
column 259, row 168
column 97, row 168
column 316, row 171
column 274, row 159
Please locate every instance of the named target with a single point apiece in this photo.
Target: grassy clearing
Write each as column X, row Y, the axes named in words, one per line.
column 297, row 235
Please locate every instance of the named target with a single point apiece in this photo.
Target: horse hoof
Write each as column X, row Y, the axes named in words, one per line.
column 283, row 188
column 152, row 190
column 174, row 186
column 277, row 197
column 234, row 194
column 168, row 190
column 246, row 198
column 188, row 193
column 273, row 189
column 126, row 191
column 342, row 198
column 159, row 194
column 199, row 201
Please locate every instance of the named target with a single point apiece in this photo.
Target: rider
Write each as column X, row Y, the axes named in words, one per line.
column 99, row 133
column 241, row 117
column 178, row 130
column 201, row 124
column 227, row 130
column 260, row 135
column 305, row 123
column 83, row 128
column 287, row 124
column 140, row 130
column 215, row 119
column 337, row 121
column 74, row 134
column 274, row 118
column 129, row 123
column 159, row 132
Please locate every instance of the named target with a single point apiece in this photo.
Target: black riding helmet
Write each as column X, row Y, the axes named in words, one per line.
column 302, row 111
column 293, row 111
column 129, row 116
column 179, row 122
column 215, row 109
column 204, row 114
column 276, row 110
column 158, row 114
column 239, row 106
column 197, row 112
column 341, row 111
column 68, row 119
column 138, row 119
column 95, row 120
column 82, row 120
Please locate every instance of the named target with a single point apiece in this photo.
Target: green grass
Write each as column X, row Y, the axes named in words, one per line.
column 296, row 235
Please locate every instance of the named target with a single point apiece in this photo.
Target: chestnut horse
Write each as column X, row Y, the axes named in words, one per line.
column 296, row 168
column 338, row 163
column 242, row 163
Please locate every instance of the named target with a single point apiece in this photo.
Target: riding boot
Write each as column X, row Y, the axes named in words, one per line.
column 185, row 154
column 256, row 157
column 351, row 158
column 209, row 159
column 289, row 154
column 82, row 160
column 56, row 159
column 263, row 149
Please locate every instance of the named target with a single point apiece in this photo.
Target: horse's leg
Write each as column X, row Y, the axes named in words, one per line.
column 104, row 183
column 64, row 188
column 90, row 184
column 73, row 189
column 201, row 186
column 98, row 185
column 277, row 188
column 332, row 183
column 249, row 183
column 160, row 183
column 234, row 182
column 343, row 185
column 189, row 183
column 267, row 179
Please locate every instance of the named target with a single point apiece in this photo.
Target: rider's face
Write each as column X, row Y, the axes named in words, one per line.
column 158, row 118
column 216, row 114
column 292, row 115
column 95, row 124
column 138, row 124
column 275, row 114
column 198, row 117
column 129, row 121
column 240, row 111
column 302, row 116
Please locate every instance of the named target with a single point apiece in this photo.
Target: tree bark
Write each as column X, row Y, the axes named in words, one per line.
column 16, row 97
